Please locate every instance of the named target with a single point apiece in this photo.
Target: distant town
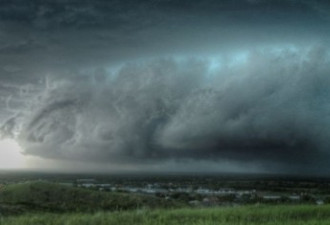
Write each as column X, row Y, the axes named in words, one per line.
column 202, row 195
column 196, row 190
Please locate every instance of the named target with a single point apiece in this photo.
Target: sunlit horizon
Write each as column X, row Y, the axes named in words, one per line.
column 11, row 156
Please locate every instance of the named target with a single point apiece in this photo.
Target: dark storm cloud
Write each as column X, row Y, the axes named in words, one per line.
column 135, row 81
column 272, row 108
column 69, row 35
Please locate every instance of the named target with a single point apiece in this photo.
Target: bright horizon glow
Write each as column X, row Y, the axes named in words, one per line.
column 11, row 156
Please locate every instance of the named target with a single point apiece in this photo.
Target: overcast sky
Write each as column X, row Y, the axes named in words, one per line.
column 168, row 85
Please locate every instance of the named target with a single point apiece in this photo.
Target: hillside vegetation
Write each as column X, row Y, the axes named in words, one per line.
column 41, row 203
column 243, row 215
column 50, row 197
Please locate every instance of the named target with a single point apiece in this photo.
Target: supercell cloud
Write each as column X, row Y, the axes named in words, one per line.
column 153, row 83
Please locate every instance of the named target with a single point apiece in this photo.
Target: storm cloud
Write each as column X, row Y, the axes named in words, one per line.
column 271, row 107
column 158, row 82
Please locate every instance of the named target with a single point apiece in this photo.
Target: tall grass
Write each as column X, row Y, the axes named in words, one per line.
column 243, row 215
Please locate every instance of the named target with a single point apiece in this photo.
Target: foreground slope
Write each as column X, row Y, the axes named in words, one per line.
column 50, row 197
column 252, row 215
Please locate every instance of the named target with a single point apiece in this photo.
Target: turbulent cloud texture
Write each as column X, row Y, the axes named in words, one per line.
column 271, row 107
column 168, row 83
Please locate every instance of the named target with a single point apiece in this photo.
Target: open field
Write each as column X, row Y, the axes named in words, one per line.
column 252, row 215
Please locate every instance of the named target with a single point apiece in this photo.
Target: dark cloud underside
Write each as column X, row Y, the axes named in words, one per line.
column 151, row 82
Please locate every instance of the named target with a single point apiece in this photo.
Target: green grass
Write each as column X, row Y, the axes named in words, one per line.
column 243, row 215
column 49, row 197
column 42, row 203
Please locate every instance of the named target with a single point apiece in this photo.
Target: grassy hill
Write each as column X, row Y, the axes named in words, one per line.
column 243, row 215
column 50, row 197
column 42, row 203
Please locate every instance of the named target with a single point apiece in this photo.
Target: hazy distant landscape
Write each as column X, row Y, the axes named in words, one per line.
column 48, row 198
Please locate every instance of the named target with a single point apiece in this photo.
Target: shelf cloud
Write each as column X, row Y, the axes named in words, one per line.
column 168, row 82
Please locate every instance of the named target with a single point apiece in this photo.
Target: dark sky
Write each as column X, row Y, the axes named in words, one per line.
column 168, row 85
